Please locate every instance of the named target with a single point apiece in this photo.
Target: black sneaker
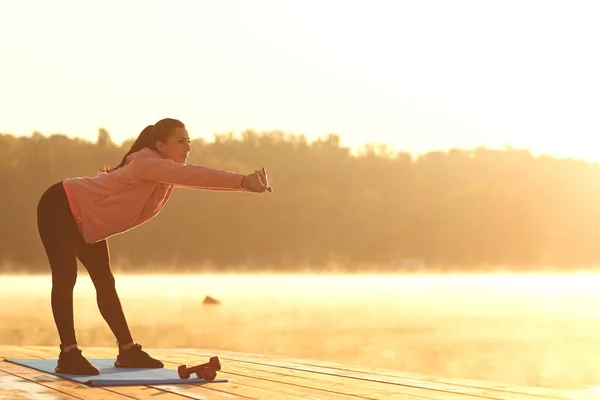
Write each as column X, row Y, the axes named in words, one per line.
column 134, row 357
column 73, row 362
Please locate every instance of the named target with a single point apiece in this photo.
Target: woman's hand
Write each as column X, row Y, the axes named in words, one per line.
column 257, row 181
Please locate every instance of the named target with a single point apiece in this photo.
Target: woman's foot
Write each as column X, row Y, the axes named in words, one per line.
column 134, row 357
column 74, row 363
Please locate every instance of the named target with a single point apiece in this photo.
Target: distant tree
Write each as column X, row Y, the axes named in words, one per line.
column 462, row 208
column 104, row 139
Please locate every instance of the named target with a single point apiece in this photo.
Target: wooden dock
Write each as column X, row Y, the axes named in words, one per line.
column 256, row 376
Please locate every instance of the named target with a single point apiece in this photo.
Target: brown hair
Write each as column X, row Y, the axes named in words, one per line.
column 148, row 137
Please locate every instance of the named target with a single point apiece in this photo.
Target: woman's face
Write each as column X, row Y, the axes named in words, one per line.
column 176, row 147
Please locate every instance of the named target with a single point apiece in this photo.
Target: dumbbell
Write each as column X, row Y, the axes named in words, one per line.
column 207, row 371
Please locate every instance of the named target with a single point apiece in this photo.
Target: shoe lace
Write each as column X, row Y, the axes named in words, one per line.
column 135, row 349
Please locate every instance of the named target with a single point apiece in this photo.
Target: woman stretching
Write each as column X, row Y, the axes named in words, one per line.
column 77, row 215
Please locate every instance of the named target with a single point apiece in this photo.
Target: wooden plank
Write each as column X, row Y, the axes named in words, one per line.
column 194, row 391
column 75, row 389
column 160, row 392
column 359, row 380
column 393, row 376
column 49, row 380
column 513, row 388
column 9, row 352
column 326, row 384
column 316, row 389
column 163, row 393
column 243, row 382
column 6, row 394
column 18, row 387
column 285, row 378
column 361, row 386
column 262, row 376
column 186, row 391
column 247, row 385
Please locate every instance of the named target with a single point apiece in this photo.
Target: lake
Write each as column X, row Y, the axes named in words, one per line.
column 529, row 329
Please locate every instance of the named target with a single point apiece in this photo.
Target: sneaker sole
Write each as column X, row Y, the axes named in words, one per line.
column 137, row 366
column 118, row 364
column 58, row 371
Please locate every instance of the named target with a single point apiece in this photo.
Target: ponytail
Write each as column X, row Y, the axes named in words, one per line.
column 148, row 137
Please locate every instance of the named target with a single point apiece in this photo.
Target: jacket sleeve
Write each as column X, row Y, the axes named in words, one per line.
column 162, row 170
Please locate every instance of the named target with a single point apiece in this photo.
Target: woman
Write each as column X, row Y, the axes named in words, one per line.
column 77, row 215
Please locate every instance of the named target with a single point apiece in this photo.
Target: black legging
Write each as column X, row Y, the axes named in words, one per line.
column 64, row 244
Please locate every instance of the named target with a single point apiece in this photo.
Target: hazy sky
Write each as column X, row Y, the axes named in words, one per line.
column 418, row 74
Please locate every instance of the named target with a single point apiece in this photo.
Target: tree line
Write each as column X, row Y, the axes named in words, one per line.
column 472, row 209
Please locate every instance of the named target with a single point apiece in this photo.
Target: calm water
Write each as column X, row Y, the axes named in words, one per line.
column 523, row 329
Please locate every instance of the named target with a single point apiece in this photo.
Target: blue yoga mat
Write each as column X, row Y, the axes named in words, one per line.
column 112, row 376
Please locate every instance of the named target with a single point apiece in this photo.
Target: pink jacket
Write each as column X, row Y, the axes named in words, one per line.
column 115, row 202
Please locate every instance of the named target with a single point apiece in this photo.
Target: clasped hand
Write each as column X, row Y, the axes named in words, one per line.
column 257, row 181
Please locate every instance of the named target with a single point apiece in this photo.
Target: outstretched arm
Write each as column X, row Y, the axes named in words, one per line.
column 196, row 176
column 185, row 175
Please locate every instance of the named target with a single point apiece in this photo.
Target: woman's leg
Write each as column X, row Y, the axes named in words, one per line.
column 61, row 253
column 57, row 231
column 96, row 259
